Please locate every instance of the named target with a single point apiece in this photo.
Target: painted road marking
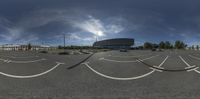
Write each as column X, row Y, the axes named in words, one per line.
column 129, row 56
column 24, row 57
column 4, row 60
column 189, row 66
column 118, row 78
column 156, row 69
column 159, row 66
column 11, row 61
column 79, row 52
column 20, row 57
column 126, row 61
column 32, row 76
column 195, row 57
column 185, row 62
column 192, row 69
column 148, row 58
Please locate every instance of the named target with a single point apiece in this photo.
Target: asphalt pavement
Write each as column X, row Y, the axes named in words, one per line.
column 136, row 74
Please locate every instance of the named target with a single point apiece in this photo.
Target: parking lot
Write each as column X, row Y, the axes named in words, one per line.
column 134, row 74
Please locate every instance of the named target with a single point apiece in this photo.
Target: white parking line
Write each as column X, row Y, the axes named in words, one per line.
column 118, row 78
column 24, row 57
column 195, row 57
column 159, row 66
column 4, row 60
column 129, row 56
column 11, row 61
column 189, row 66
column 79, row 52
column 194, row 69
column 185, row 62
column 163, row 61
column 20, row 57
column 32, row 76
column 126, row 61
column 148, row 58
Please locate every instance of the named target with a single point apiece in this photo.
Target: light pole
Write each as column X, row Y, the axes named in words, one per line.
column 96, row 38
column 95, row 46
column 64, row 41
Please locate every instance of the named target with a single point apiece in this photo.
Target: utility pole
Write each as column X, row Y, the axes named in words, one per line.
column 64, row 41
column 96, row 38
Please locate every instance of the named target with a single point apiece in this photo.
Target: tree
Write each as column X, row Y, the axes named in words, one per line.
column 148, row 45
column 60, row 47
column 29, row 46
column 197, row 47
column 161, row 45
column 180, row 45
column 155, row 45
column 177, row 44
column 192, row 47
column 140, row 47
column 167, row 45
column 171, row 46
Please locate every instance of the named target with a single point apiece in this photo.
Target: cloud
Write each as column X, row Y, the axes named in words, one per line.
column 97, row 27
column 7, row 30
column 78, row 39
column 48, row 23
column 11, row 33
column 75, row 36
column 35, row 25
column 147, row 20
column 91, row 25
column 114, row 28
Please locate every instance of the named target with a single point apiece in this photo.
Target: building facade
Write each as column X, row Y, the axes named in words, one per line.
column 193, row 47
column 13, row 47
column 117, row 43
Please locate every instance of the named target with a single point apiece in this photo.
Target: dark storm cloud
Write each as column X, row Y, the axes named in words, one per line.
column 145, row 20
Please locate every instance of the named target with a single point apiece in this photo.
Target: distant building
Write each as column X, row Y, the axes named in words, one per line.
column 9, row 47
column 193, row 47
column 117, row 43
column 16, row 47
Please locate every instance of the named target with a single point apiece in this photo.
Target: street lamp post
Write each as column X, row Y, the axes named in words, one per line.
column 64, row 42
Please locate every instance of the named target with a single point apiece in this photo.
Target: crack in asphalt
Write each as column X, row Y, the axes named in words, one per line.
column 77, row 64
column 146, row 64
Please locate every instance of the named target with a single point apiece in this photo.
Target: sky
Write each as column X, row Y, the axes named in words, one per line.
column 82, row 21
